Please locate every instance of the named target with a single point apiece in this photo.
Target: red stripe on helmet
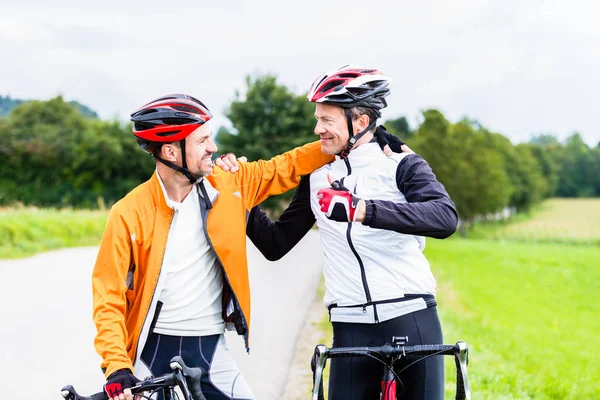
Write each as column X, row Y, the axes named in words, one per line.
column 160, row 133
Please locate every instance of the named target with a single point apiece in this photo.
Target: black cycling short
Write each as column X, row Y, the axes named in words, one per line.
column 222, row 380
column 359, row 378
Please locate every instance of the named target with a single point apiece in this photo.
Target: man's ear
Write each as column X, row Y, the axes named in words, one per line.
column 169, row 152
column 361, row 123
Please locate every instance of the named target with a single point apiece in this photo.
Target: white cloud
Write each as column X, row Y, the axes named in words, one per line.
column 517, row 67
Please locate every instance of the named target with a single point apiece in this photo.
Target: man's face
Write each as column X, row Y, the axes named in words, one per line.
column 332, row 128
column 199, row 148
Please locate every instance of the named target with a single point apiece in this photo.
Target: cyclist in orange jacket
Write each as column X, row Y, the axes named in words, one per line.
column 169, row 279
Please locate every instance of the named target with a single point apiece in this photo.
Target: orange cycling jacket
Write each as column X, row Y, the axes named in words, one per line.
column 126, row 280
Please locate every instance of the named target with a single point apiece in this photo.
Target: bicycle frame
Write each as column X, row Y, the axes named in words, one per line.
column 388, row 352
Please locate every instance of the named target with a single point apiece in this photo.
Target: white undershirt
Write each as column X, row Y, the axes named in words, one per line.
column 192, row 292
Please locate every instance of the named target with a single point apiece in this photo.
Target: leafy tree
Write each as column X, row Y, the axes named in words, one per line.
column 596, row 168
column 400, row 127
column 576, row 175
column 41, row 137
column 545, row 139
column 471, row 170
column 54, row 156
column 268, row 120
column 548, row 165
column 7, row 104
column 531, row 185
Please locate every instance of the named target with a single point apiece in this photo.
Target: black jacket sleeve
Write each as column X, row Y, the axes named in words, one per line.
column 276, row 239
column 429, row 211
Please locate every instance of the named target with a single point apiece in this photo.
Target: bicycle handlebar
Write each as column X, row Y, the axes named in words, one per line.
column 459, row 351
column 391, row 351
column 188, row 380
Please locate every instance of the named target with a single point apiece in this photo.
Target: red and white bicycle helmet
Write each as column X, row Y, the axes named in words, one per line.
column 168, row 119
column 350, row 87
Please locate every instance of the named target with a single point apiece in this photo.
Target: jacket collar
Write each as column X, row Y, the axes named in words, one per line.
column 362, row 154
column 159, row 195
column 162, row 199
column 210, row 190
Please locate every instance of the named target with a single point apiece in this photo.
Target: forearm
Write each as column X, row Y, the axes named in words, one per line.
column 435, row 219
column 262, row 179
column 275, row 239
column 109, row 295
column 109, row 317
column 428, row 209
column 110, row 341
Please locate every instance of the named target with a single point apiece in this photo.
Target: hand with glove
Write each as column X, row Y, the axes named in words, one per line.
column 339, row 204
column 118, row 385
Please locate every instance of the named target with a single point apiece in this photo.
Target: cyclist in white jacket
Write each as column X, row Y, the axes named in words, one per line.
column 372, row 212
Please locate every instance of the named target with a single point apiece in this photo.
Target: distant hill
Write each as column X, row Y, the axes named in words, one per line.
column 7, row 104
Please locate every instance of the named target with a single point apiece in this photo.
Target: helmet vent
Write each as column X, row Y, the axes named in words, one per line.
column 330, row 85
column 146, row 112
column 169, row 133
column 187, row 109
column 142, row 126
column 178, row 121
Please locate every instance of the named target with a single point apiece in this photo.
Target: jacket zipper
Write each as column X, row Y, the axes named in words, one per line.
column 363, row 274
column 233, row 295
column 137, row 347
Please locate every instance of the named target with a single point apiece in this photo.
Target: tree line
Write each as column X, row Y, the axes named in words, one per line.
column 53, row 155
column 7, row 104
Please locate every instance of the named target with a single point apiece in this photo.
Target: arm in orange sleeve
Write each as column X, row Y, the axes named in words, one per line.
column 109, row 294
column 261, row 179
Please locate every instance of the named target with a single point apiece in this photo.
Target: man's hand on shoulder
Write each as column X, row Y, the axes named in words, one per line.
column 390, row 143
column 228, row 162
column 405, row 149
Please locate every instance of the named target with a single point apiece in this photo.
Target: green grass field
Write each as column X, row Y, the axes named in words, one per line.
column 530, row 313
column 27, row 231
column 555, row 221
column 527, row 301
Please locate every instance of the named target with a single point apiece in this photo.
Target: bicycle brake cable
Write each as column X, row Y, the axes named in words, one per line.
column 420, row 359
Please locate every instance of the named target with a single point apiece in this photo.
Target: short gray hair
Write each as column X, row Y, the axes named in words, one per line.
column 356, row 112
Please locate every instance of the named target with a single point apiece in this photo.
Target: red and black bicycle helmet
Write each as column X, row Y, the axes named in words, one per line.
column 350, row 87
column 168, row 119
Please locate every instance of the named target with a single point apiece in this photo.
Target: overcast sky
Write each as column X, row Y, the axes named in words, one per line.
column 518, row 67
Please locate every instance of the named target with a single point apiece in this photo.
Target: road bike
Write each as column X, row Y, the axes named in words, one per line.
column 388, row 354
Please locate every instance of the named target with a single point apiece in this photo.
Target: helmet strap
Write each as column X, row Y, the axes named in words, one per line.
column 183, row 169
column 353, row 139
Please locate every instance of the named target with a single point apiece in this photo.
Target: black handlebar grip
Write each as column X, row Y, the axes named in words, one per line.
column 427, row 349
column 99, row 396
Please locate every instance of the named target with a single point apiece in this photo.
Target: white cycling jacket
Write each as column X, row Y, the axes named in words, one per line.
column 373, row 272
